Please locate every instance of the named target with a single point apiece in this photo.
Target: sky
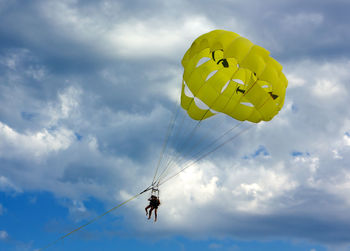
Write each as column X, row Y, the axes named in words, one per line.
column 87, row 91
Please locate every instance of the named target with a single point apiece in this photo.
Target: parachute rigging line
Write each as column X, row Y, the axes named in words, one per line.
column 169, row 131
column 201, row 150
column 184, row 144
column 175, row 159
column 178, row 134
column 94, row 219
column 211, row 143
column 204, row 155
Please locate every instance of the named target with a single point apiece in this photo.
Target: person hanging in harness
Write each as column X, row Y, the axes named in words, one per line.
column 154, row 203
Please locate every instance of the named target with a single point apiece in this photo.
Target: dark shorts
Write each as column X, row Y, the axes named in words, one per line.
column 154, row 204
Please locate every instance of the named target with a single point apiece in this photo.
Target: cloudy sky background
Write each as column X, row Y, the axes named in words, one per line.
column 87, row 89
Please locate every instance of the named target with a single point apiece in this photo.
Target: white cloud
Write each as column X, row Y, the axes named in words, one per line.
column 14, row 60
column 33, row 145
column 340, row 189
column 337, row 155
column 254, row 188
column 130, row 37
column 78, row 207
column 346, row 138
column 3, row 235
column 53, row 137
column 295, row 81
column 136, row 38
column 250, row 190
column 327, row 88
column 7, row 185
column 67, row 106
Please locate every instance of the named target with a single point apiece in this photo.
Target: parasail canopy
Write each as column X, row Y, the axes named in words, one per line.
column 226, row 73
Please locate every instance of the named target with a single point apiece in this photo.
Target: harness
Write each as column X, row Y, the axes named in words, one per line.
column 155, row 201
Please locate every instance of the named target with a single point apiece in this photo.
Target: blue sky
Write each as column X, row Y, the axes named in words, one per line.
column 87, row 89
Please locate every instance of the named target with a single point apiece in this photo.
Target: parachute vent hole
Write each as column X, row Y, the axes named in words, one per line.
column 202, row 61
column 247, row 104
column 213, row 111
column 187, row 91
column 225, row 86
column 211, row 74
column 265, row 86
column 201, row 104
column 238, row 66
column 239, row 81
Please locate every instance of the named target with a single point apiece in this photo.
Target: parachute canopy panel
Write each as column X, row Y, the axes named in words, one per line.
column 226, row 73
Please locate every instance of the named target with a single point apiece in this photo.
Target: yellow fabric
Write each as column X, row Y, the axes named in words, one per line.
column 231, row 75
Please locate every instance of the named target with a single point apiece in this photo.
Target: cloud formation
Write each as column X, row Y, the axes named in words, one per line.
column 87, row 91
column 3, row 235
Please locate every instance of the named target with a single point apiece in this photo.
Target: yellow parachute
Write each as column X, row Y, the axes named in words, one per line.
column 226, row 73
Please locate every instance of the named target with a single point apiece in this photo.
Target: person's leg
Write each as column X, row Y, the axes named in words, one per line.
column 150, row 213
column 155, row 215
column 146, row 208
